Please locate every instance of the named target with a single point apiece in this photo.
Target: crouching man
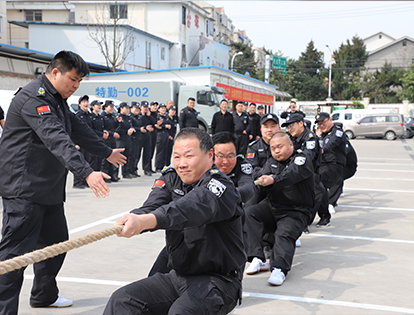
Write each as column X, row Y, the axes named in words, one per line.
column 197, row 205
column 289, row 187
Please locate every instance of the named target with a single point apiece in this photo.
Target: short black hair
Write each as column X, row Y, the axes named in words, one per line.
column 253, row 104
column 206, row 144
column 224, row 137
column 239, row 102
column 65, row 61
column 224, row 100
column 191, row 99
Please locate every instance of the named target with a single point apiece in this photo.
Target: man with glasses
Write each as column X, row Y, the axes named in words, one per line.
column 332, row 141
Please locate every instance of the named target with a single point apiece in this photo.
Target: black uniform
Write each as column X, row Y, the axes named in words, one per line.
column 145, row 141
column 98, row 127
column 222, row 122
column 124, row 140
column 306, row 122
column 110, row 125
column 154, row 119
column 162, row 143
column 255, row 123
column 258, row 152
column 173, row 122
column 204, row 244
column 241, row 123
column 36, row 151
column 188, row 118
column 86, row 117
column 134, row 152
column 282, row 212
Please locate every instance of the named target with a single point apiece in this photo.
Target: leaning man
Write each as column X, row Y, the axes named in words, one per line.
column 197, row 206
column 36, row 151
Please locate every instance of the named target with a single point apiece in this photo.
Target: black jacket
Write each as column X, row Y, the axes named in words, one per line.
column 309, row 144
column 241, row 123
column 222, row 122
column 173, row 123
column 333, row 145
column 188, row 118
column 258, row 152
column 202, row 222
column 124, row 126
column 294, row 181
column 97, row 124
column 110, row 123
column 241, row 176
column 255, row 124
column 37, row 147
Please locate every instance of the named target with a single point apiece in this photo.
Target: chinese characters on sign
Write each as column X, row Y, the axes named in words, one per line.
column 279, row 63
column 234, row 93
column 113, row 92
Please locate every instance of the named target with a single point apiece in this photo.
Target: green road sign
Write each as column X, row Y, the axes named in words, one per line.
column 279, row 63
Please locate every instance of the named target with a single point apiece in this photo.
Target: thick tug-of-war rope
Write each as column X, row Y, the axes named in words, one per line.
column 258, row 181
column 56, row 249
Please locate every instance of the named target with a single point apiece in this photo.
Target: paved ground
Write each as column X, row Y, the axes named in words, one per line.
column 360, row 264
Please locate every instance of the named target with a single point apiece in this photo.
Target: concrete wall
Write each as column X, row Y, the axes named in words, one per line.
column 375, row 42
column 397, row 54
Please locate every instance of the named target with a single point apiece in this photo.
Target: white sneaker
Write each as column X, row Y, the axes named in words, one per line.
column 277, row 277
column 61, row 302
column 331, row 209
column 298, row 243
column 342, row 195
column 257, row 265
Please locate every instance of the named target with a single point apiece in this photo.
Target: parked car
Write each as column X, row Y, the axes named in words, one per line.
column 388, row 126
column 409, row 127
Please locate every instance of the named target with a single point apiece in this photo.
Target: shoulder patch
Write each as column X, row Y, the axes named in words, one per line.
column 250, row 155
column 181, row 111
column 253, row 142
column 216, row 187
column 310, row 145
column 43, row 110
column 339, row 133
column 300, row 160
column 273, row 165
column 310, row 135
column 167, row 169
column 299, row 151
column 214, row 172
column 246, row 168
column 40, row 91
column 158, row 183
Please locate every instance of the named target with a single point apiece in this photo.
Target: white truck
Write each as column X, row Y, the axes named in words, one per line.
column 207, row 97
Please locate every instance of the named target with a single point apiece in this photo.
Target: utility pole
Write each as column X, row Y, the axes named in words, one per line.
column 267, row 68
column 330, row 73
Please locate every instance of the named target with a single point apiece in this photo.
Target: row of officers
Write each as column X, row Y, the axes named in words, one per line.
column 139, row 128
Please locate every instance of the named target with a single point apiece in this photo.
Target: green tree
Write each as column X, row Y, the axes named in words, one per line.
column 407, row 81
column 311, row 61
column 244, row 63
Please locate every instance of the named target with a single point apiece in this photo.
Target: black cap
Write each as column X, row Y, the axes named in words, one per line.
column 153, row 103
column 144, row 103
column 260, row 107
column 173, row 107
column 123, row 104
column 162, row 105
column 321, row 116
column 294, row 117
column 85, row 97
column 95, row 102
column 135, row 104
column 109, row 103
column 269, row 117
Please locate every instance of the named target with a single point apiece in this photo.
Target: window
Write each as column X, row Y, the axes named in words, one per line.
column 380, row 36
column 379, row 119
column 118, row 11
column 33, row 15
column 209, row 28
column 184, row 16
column 348, row 116
column 71, row 17
column 221, row 18
column 404, row 43
column 335, row 116
column 204, row 98
column 392, row 119
column 366, row 120
column 148, row 55
column 163, row 53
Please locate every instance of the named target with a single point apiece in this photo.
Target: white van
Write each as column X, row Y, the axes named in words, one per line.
column 348, row 116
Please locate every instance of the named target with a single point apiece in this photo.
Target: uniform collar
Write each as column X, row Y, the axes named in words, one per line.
column 49, row 86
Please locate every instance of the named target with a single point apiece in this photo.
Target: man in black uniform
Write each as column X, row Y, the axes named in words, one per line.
column 254, row 121
column 242, row 128
column 197, row 206
column 84, row 114
column 258, row 151
column 171, row 120
column 98, row 127
column 293, row 108
column 222, row 120
column 110, row 125
column 332, row 142
column 188, row 115
column 125, row 131
column 36, row 151
column 155, row 125
column 162, row 138
column 289, row 174
column 147, row 128
column 134, row 154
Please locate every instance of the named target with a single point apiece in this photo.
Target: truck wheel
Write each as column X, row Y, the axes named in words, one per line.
column 390, row 135
column 350, row 134
column 202, row 127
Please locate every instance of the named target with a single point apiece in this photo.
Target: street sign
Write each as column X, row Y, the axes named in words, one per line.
column 279, row 63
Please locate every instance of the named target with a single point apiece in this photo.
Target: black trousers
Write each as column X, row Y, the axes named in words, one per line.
column 146, row 151
column 176, row 295
column 287, row 225
column 321, row 202
column 162, row 148
column 153, row 142
column 133, row 154
column 330, row 174
column 28, row 226
column 107, row 167
column 124, row 142
column 169, row 152
column 242, row 141
column 161, row 263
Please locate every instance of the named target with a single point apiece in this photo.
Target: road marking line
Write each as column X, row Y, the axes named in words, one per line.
column 385, row 170
column 375, row 239
column 376, row 208
column 385, row 164
column 90, row 225
column 257, row 295
column 380, row 190
column 382, row 159
column 329, row 302
column 376, row 178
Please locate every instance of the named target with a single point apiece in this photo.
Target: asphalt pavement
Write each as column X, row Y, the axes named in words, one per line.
column 360, row 264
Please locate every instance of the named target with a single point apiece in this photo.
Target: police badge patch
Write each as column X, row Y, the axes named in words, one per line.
column 339, row 133
column 216, row 187
column 247, row 168
column 300, row 160
column 310, row 145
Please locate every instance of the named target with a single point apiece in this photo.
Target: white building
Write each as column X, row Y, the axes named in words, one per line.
column 376, row 41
